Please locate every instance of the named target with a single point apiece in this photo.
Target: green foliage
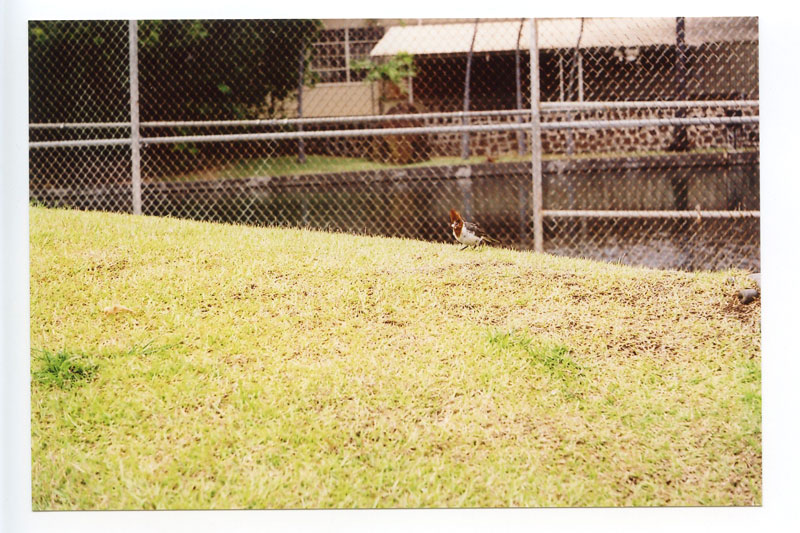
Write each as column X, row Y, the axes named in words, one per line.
column 188, row 69
column 395, row 69
column 220, row 69
column 63, row 368
column 78, row 71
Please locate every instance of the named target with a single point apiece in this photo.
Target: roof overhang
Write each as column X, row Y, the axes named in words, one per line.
column 430, row 39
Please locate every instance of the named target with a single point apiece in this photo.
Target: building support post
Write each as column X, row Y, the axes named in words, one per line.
column 518, row 83
column 467, row 80
column 536, row 142
column 301, row 78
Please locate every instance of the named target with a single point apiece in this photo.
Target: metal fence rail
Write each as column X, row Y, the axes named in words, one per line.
column 581, row 124
column 632, row 140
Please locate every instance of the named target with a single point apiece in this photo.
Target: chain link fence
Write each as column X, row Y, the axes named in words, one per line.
column 630, row 140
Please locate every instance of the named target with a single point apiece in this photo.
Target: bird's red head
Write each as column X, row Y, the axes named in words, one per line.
column 456, row 222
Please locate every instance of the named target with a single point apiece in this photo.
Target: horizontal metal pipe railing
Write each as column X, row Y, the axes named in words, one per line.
column 546, row 107
column 563, row 213
column 272, row 136
column 647, row 122
column 76, row 125
column 553, row 107
column 285, row 121
column 341, row 120
column 79, row 143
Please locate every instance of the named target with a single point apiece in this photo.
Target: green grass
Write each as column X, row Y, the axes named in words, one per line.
column 288, row 165
column 279, row 368
column 322, row 164
column 62, row 369
column 317, row 164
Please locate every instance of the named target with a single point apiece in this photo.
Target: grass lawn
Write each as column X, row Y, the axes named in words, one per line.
column 279, row 368
column 317, row 164
column 322, row 164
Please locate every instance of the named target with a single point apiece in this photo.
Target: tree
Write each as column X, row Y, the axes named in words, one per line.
column 391, row 74
column 219, row 69
column 78, row 71
column 188, row 69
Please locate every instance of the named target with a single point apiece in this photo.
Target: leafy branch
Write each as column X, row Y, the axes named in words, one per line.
column 396, row 69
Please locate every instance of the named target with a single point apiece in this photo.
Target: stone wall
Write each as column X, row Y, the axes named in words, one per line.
column 607, row 140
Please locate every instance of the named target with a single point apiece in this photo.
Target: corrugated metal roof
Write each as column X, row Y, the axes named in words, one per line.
column 561, row 33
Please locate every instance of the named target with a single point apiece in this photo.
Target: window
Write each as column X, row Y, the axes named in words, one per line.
column 336, row 50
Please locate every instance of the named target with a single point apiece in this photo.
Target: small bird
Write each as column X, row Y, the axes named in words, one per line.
column 467, row 233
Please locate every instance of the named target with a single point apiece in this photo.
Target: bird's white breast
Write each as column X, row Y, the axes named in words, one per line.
column 468, row 238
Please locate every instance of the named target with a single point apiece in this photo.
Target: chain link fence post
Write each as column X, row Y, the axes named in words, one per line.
column 536, row 141
column 136, row 160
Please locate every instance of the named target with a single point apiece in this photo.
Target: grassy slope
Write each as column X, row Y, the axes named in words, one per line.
column 281, row 368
